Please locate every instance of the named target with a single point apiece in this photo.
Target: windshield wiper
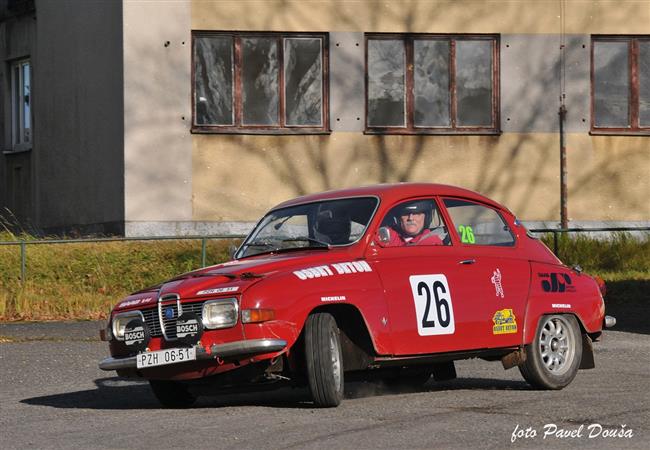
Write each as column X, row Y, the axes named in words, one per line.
column 259, row 244
column 307, row 239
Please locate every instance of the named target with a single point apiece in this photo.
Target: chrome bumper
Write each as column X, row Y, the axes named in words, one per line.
column 239, row 348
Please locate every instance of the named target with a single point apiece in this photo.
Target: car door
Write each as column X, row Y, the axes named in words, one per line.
column 427, row 290
column 496, row 278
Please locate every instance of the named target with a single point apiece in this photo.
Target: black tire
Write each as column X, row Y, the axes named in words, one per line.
column 324, row 360
column 553, row 359
column 172, row 394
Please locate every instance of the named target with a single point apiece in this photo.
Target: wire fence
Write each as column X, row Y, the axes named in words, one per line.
column 559, row 231
column 556, row 232
column 24, row 243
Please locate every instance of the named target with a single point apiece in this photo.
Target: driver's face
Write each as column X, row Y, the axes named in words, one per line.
column 412, row 223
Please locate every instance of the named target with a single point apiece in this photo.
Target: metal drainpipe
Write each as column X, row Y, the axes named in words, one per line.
column 563, row 171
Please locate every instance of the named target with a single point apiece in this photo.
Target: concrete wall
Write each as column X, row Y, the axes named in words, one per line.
column 157, row 117
column 608, row 175
column 78, row 129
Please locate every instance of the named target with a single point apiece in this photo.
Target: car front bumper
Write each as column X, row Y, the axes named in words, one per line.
column 230, row 349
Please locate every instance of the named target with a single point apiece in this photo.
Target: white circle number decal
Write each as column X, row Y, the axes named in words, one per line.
column 433, row 308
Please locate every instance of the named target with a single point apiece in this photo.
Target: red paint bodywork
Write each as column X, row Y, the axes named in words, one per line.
column 383, row 295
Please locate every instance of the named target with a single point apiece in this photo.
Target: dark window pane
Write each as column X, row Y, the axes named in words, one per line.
column 611, row 84
column 303, row 81
column 213, row 80
column 644, row 83
column 431, row 79
column 17, row 138
column 27, row 114
column 474, row 83
column 260, row 81
column 386, row 83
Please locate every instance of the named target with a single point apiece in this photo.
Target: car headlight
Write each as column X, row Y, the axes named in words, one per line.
column 220, row 313
column 120, row 321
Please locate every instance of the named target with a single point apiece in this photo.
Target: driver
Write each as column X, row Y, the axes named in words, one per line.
column 409, row 225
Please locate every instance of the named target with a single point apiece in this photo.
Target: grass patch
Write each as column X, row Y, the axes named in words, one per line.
column 84, row 280
column 622, row 255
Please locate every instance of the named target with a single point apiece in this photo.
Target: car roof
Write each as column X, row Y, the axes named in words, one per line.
column 391, row 193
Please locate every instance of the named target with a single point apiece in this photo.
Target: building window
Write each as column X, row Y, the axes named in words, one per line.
column 21, row 118
column 260, row 82
column 620, row 83
column 432, row 84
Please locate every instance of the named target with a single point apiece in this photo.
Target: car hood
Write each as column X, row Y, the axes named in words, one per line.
column 230, row 278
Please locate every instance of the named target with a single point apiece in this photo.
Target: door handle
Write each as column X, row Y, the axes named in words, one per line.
column 467, row 261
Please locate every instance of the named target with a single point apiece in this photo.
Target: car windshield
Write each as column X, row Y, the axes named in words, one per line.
column 318, row 225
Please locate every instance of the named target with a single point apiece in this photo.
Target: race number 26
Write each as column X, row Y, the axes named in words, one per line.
column 433, row 308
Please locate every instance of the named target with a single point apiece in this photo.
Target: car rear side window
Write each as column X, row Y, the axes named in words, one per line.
column 478, row 224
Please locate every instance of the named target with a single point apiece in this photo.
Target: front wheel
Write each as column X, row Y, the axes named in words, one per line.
column 172, row 394
column 324, row 359
column 553, row 359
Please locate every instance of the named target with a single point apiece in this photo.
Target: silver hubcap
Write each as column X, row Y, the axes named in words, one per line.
column 556, row 345
column 336, row 359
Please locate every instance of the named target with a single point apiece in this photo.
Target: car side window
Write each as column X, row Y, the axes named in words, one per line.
column 415, row 222
column 478, row 224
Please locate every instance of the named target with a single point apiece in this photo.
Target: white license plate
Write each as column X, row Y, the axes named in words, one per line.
column 164, row 357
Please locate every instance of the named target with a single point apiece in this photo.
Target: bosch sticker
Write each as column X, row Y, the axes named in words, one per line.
column 218, row 290
column 556, row 282
column 326, row 270
column 433, row 307
column 505, row 322
column 496, row 281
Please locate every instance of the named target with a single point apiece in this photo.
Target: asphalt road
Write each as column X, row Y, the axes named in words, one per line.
column 52, row 395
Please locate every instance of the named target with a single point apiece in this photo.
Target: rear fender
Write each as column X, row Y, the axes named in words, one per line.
column 560, row 290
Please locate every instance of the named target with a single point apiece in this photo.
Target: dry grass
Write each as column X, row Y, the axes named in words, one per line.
column 84, row 280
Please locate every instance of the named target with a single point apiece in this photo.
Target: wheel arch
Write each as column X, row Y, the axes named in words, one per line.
column 356, row 341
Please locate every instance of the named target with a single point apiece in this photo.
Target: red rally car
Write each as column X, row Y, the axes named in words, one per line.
column 394, row 282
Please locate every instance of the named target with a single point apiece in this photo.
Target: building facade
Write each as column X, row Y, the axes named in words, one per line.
column 195, row 117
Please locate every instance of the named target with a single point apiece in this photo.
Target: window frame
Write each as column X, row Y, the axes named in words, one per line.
column 409, row 102
column 634, row 128
column 17, row 125
column 282, row 128
column 455, row 232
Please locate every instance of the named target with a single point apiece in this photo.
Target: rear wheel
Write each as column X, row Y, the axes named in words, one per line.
column 553, row 359
column 324, row 359
column 172, row 394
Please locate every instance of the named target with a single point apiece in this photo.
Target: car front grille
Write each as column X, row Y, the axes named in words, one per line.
column 153, row 322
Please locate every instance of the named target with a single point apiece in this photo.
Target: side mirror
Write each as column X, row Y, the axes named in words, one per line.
column 384, row 235
column 232, row 249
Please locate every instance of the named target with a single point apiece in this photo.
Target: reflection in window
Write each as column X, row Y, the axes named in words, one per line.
column 303, row 81
column 621, row 84
column 238, row 81
column 386, row 83
column 611, row 84
column 21, row 119
column 431, row 83
column 474, row 83
column 451, row 79
column 260, row 81
column 213, row 80
column 644, row 83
